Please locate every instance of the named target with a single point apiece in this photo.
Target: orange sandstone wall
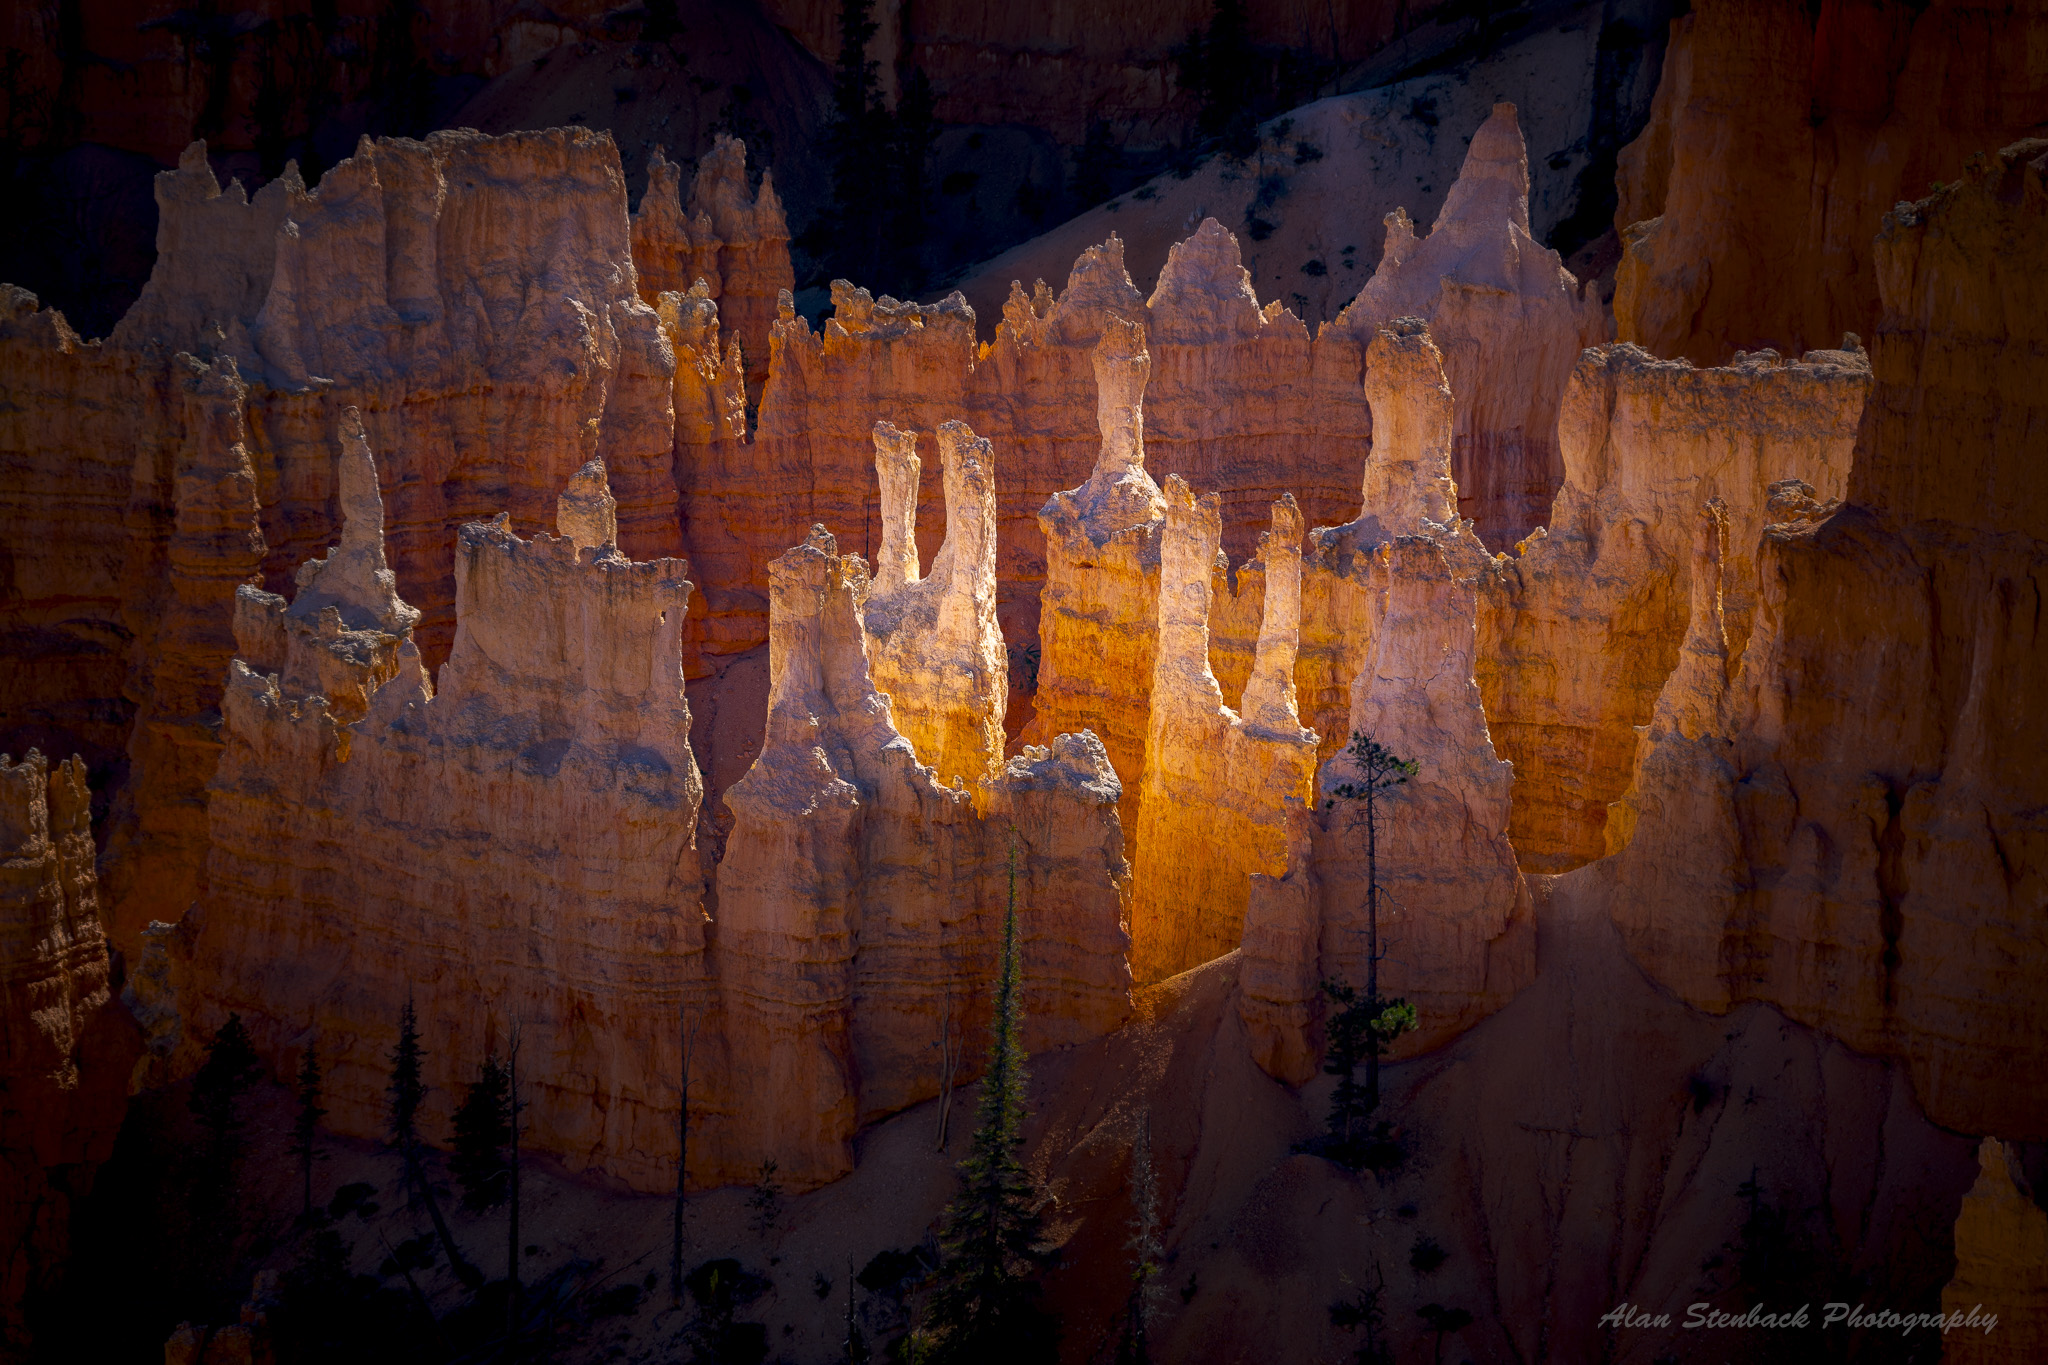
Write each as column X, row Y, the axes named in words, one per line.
column 1780, row 135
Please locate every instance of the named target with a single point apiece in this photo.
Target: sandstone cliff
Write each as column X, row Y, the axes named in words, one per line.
column 1848, row 827
column 1581, row 627
column 1509, row 318
column 508, row 847
column 1728, row 248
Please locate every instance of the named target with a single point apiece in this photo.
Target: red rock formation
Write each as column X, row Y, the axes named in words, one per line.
column 1856, row 836
column 1461, row 917
column 181, row 613
column 68, row 447
column 508, row 848
column 1217, row 783
column 2001, row 1269
column 1780, row 135
column 672, row 248
column 64, row 1056
column 860, row 901
column 1098, row 625
column 932, row 641
column 1401, row 585
column 1509, row 318
column 1581, row 627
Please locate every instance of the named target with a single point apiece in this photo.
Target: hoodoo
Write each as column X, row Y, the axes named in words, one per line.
column 614, row 745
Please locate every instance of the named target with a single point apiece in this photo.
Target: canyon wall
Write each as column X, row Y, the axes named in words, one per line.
column 1847, row 824
column 1729, row 246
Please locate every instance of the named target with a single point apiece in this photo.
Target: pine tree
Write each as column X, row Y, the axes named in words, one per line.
column 1362, row 1312
column 1365, row 1025
column 984, row 1306
column 229, row 1072
column 306, row 1127
column 483, row 1126
column 408, row 1088
column 512, row 1108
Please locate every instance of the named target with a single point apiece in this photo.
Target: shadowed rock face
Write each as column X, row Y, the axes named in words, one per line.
column 65, row 1054
column 1581, row 627
column 1843, row 825
column 1727, row 248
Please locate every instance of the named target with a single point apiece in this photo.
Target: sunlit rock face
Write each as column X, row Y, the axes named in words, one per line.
column 861, row 901
column 1846, row 822
column 933, row 642
column 508, row 848
column 1099, row 613
column 1217, row 781
column 1453, row 897
column 1509, row 319
column 1582, row 624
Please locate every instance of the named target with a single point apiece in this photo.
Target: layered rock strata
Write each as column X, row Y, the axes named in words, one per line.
column 1509, row 318
column 1728, row 244
column 1217, row 781
column 860, row 901
column 932, row 640
column 199, row 541
column 64, row 1055
column 474, row 298
column 1406, row 490
column 1580, row 628
column 67, row 455
column 1854, row 832
column 510, row 849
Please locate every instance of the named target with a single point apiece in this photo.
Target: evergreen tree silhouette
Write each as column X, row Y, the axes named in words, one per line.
column 306, row 1125
column 985, row 1306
